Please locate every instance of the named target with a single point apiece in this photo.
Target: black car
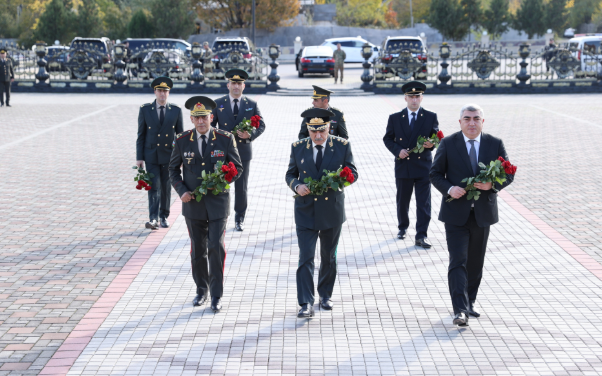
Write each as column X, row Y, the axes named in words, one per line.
column 103, row 45
column 316, row 59
column 137, row 45
column 56, row 57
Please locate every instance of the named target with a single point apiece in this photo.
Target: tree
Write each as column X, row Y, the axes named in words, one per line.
column 173, row 18
column 470, row 13
column 446, row 17
column 55, row 23
column 529, row 18
column 115, row 19
column 236, row 14
column 497, row 18
column 420, row 11
column 88, row 19
column 361, row 13
column 555, row 15
column 581, row 11
column 140, row 26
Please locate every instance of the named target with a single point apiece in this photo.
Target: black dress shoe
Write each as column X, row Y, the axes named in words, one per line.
column 401, row 234
column 471, row 310
column 216, row 304
column 164, row 223
column 199, row 300
column 153, row 225
column 239, row 226
column 306, row 311
column 326, row 304
column 461, row 319
column 8, row 105
column 423, row 243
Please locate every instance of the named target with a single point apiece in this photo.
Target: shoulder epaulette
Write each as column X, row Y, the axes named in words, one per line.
column 336, row 109
column 146, row 104
column 299, row 142
column 173, row 104
column 183, row 134
column 222, row 132
column 341, row 140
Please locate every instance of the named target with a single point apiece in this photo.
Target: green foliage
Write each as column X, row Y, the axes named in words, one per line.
column 55, row 23
column 88, row 19
column 420, row 10
column 115, row 20
column 362, row 13
column 449, row 18
column 582, row 12
column 555, row 16
column 470, row 13
column 497, row 18
column 140, row 26
column 529, row 18
column 172, row 18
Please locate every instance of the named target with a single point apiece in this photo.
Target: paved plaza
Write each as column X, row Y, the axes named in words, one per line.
column 85, row 289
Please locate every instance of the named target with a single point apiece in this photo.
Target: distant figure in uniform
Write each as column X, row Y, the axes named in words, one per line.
column 206, row 57
column 412, row 170
column 198, row 150
column 7, row 76
column 339, row 62
column 158, row 123
column 321, row 99
column 550, row 52
column 317, row 216
column 231, row 110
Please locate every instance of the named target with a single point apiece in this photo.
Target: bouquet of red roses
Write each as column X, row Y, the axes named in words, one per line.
column 217, row 181
column 341, row 178
column 143, row 178
column 494, row 173
column 248, row 125
column 435, row 139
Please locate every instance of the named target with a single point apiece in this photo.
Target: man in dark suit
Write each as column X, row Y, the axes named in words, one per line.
column 7, row 76
column 317, row 216
column 321, row 99
column 232, row 109
column 199, row 150
column 158, row 123
column 467, row 222
column 412, row 170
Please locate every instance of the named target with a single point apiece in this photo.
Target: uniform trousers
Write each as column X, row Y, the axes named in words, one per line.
column 5, row 89
column 329, row 240
column 208, row 254
column 405, row 187
column 240, row 190
column 159, row 197
column 337, row 69
column 466, row 245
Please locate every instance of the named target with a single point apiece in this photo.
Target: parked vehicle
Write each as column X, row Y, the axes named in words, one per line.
column 140, row 44
column 391, row 47
column 587, row 49
column 173, row 56
column 221, row 45
column 103, row 45
column 57, row 56
column 316, row 59
column 352, row 47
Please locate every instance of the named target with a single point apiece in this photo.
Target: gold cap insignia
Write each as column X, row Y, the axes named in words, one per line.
column 162, row 85
column 236, row 77
column 413, row 89
column 199, row 107
column 316, row 121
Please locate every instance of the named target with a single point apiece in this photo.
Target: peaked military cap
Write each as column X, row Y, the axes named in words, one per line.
column 162, row 83
column 318, row 118
column 2, row 51
column 237, row 75
column 320, row 93
column 200, row 105
column 413, row 88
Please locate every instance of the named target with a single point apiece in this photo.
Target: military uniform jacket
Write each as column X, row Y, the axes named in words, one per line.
column 221, row 146
column 224, row 119
column 328, row 210
column 337, row 125
column 6, row 70
column 398, row 136
column 155, row 141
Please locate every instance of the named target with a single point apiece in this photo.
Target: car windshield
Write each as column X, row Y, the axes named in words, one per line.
column 237, row 45
column 317, row 51
column 409, row 44
column 592, row 46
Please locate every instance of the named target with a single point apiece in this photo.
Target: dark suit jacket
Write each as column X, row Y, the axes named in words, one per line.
column 155, row 141
column 337, row 125
column 452, row 165
column 220, row 143
column 223, row 118
column 398, row 136
column 6, row 70
column 326, row 211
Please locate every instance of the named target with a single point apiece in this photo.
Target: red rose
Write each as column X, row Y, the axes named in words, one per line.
column 501, row 159
column 440, row 135
column 143, row 183
column 225, row 168
column 148, row 188
column 255, row 121
column 138, row 187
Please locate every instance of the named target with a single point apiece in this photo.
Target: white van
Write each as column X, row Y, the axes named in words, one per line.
column 584, row 46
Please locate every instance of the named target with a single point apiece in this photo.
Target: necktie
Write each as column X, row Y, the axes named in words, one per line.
column 319, row 157
column 473, row 158
column 413, row 121
column 203, row 144
column 162, row 116
column 236, row 107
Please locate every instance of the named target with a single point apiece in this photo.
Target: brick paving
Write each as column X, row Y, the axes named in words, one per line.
column 72, row 220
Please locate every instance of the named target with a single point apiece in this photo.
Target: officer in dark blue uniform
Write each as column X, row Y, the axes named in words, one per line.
column 196, row 151
column 412, row 170
column 158, row 123
column 321, row 99
column 317, row 216
column 232, row 109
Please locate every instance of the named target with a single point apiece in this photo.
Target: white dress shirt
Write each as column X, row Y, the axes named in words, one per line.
column 200, row 140
column 410, row 114
column 315, row 153
column 232, row 102
column 477, row 144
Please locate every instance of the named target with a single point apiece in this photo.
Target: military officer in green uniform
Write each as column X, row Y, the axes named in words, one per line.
column 339, row 62
column 232, row 109
column 158, row 123
column 196, row 151
column 321, row 99
column 7, row 76
column 206, row 57
column 317, row 216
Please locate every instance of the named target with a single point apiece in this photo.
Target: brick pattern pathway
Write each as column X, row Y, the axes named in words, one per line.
column 64, row 242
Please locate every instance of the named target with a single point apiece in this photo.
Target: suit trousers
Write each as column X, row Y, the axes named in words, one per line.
column 208, row 254
column 466, row 246
column 159, row 197
column 5, row 89
column 422, row 186
column 337, row 69
column 329, row 240
column 240, row 190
